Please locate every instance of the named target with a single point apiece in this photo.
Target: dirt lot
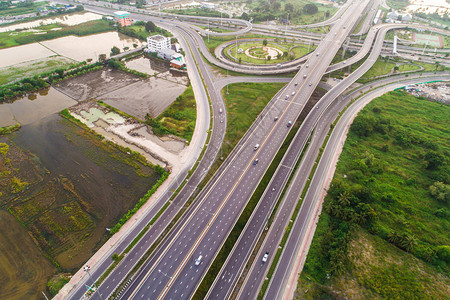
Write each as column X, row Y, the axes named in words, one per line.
column 151, row 96
column 95, row 84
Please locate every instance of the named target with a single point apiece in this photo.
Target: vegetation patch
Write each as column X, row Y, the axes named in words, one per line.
column 383, row 230
column 178, row 119
column 24, row 36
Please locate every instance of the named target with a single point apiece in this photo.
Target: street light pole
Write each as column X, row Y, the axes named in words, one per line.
column 86, row 269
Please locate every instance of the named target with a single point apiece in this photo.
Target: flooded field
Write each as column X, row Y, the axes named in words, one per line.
column 34, row 107
column 72, row 47
column 65, row 186
column 70, row 20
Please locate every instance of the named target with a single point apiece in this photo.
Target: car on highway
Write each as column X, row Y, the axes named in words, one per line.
column 310, row 84
column 304, row 76
column 287, row 97
column 256, row 147
column 265, row 257
column 289, row 124
column 295, row 84
column 198, row 260
column 220, row 110
column 293, row 93
column 276, row 118
column 255, row 161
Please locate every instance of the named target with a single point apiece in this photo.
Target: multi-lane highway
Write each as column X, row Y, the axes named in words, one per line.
column 171, row 271
column 174, row 273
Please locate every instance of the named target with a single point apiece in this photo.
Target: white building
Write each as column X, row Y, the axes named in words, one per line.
column 157, row 43
column 169, row 54
column 209, row 5
column 393, row 16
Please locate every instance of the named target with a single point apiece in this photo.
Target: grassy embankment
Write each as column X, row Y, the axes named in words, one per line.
column 178, row 119
column 382, row 66
column 22, row 37
column 383, row 234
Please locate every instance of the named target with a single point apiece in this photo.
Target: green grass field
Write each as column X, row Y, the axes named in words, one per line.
column 22, row 37
column 382, row 232
column 30, row 69
column 179, row 118
column 19, row 10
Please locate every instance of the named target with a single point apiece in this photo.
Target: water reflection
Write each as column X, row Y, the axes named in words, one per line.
column 76, row 48
column 66, row 19
column 33, row 107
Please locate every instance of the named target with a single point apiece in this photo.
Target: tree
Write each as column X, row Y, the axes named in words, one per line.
column 102, row 57
column 269, row 57
column 289, row 7
column 265, row 42
column 276, row 6
column 150, row 26
column 245, row 16
column 440, row 191
column 434, row 160
column 115, row 50
column 310, row 9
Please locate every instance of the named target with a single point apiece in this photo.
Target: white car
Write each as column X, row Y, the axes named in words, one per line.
column 198, row 260
column 265, row 257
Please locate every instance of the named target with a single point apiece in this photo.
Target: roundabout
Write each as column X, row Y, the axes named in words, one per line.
column 263, row 52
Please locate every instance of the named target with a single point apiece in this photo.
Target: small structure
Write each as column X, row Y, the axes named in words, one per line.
column 157, row 43
column 122, row 18
column 406, row 18
column 177, row 64
column 240, row 50
column 209, row 5
column 169, row 54
column 392, row 16
column 176, row 47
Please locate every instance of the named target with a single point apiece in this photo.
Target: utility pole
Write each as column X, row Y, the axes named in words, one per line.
column 86, row 269
column 236, row 49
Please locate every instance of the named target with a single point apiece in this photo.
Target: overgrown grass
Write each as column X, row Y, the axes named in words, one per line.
column 22, row 37
column 178, row 119
column 397, row 148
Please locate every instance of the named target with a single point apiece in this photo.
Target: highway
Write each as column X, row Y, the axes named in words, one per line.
column 216, row 213
column 316, row 193
column 206, row 214
column 230, row 272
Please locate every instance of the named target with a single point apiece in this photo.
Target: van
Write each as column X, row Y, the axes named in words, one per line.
column 256, row 147
column 198, row 260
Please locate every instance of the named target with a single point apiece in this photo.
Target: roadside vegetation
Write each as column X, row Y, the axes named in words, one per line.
column 397, row 4
column 383, row 231
column 297, row 12
column 141, row 30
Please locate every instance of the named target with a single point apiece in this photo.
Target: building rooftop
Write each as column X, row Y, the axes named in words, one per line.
column 121, row 13
column 158, row 38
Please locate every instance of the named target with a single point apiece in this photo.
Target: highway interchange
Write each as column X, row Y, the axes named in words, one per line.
column 170, row 272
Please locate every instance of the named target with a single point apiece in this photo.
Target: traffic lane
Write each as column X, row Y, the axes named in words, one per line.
column 238, row 191
column 328, row 161
column 225, row 220
column 247, row 239
column 109, row 286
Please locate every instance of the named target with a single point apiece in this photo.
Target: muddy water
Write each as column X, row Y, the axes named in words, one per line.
column 73, row 47
column 33, row 107
column 91, row 46
column 67, row 20
column 77, row 187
